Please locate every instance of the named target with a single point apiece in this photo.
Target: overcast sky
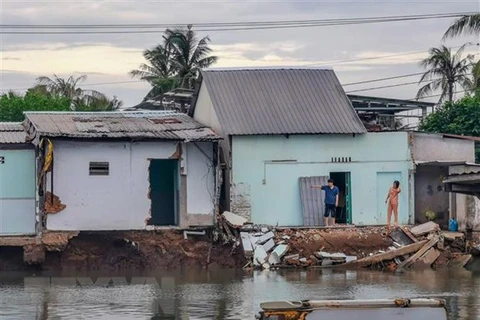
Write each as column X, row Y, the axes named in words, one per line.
column 107, row 58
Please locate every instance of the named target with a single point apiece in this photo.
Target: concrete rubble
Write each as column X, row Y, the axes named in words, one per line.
column 418, row 247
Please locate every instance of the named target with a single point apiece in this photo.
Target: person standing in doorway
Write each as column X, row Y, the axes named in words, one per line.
column 392, row 203
column 331, row 201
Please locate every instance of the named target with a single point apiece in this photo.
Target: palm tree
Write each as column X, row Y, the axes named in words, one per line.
column 69, row 88
column 467, row 25
column 445, row 72
column 176, row 62
column 476, row 75
column 189, row 55
column 159, row 72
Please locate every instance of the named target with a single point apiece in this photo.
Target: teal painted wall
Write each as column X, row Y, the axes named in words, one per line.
column 269, row 191
column 17, row 192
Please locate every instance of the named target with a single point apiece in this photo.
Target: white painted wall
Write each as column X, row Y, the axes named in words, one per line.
column 434, row 147
column 118, row 201
column 200, row 181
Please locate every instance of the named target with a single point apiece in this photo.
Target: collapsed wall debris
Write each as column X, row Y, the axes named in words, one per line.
column 422, row 246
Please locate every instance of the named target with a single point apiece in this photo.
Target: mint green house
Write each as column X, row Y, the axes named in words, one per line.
column 285, row 129
column 17, row 182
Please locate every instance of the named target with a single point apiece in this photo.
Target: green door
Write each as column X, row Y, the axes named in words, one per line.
column 348, row 196
column 163, row 191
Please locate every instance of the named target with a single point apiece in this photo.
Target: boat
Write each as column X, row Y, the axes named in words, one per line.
column 391, row 309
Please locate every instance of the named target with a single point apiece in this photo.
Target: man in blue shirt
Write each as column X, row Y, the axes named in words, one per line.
column 331, row 201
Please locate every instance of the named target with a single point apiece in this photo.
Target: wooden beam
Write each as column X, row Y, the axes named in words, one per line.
column 414, row 258
column 389, row 255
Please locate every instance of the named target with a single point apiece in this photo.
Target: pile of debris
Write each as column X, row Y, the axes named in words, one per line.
column 422, row 246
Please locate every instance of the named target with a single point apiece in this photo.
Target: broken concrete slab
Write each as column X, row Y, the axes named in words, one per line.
column 281, row 250
column 424, row 228
column 274, row 259
column 265, row 237
column 331, row 256
column 286, row 237
column 389, row 255
column 259, row 256
column 292, row 257
column 427, row 259
column 460, row 261
column 303, row 260
column 234, row 219
column 267, row 246
column 327, row 262
column 452, row 236
column 350, row 258
column 246, row 243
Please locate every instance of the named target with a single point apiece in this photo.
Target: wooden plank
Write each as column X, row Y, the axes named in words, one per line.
column 460, row 261
column 414, row 258
column 409, row 234
column 389, row 255
column 427, row 260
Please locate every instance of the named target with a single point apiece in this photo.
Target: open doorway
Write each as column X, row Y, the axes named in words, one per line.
column 163, row 177
column 344, row 209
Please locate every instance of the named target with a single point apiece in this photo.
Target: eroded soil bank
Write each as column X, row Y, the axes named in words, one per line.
column 168, row 249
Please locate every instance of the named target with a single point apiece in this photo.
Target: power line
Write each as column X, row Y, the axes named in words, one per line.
column 227, row 24
column 231, row 27
column 383, row 79
column 385, row 87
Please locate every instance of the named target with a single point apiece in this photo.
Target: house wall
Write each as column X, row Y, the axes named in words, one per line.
column 17, row 192
column 119, row 201
column 429, row 194
column 205, row 114
column 434, row 147
column 268, row 192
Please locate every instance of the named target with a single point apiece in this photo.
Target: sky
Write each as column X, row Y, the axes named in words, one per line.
column 106, row 58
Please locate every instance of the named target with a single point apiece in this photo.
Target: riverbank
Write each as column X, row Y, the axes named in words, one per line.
column 174, row 249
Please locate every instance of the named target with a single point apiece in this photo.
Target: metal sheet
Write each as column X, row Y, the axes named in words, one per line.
column 12, row 132
column 149, row 125
column 281, row 101
column 313, row 200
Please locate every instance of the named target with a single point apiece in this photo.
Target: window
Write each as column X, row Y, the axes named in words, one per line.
column 99, row 168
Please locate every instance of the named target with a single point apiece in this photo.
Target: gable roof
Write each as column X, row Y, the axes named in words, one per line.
column 164, row 125
column 280, row 101
column 12, row 132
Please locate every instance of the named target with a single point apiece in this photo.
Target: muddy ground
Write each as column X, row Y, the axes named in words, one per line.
column 153, row 250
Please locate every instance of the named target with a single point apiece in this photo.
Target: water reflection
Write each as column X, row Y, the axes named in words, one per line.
column 219, row 294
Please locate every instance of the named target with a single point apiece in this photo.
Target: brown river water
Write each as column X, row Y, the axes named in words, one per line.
column 220, row 294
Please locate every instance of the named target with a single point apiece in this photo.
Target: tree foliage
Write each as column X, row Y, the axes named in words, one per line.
column 466, row 25
column 12, row 105
column 446, row 71
column 176, row 62
column 460, row 117
column 81, row 99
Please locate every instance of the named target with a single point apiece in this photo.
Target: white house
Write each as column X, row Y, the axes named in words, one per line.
column 124, row 170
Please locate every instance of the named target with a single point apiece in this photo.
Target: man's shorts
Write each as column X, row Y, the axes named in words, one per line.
column 330, row 210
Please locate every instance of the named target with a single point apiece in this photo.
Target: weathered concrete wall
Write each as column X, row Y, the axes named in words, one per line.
column 205, row 114
column 433, row 147
column 266, row 170
column 429, row 194
column 119, row 201
column 473, row 214
column 17, row 192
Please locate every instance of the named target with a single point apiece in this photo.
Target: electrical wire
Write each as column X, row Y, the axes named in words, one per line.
column 229, row 27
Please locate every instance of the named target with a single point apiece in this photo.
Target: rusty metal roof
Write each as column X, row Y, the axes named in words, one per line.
column 164, row 125
column 12, row 132
column 280, row 101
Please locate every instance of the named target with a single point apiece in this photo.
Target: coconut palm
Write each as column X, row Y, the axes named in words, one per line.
column 466, row 25
column 189, row 55
column 476, row 75
column 446, row 71
column 159, row 71
column 69, row 88
column 176, row 62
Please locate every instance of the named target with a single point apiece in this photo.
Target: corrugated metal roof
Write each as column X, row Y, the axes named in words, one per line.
column 12, row 132
column 281, row 101
column 138, row 125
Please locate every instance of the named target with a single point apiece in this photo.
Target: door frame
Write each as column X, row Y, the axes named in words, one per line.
column 348, row 193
